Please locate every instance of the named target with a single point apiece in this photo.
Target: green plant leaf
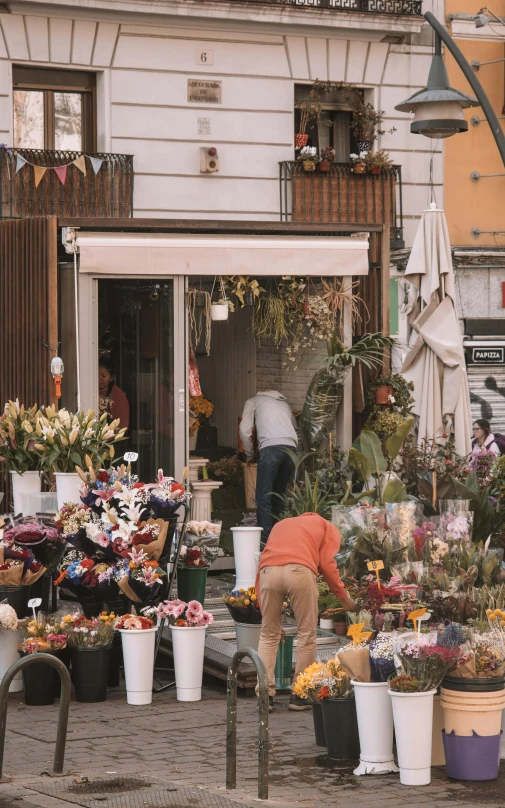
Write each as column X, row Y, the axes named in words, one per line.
column 372, row 450
column 372, row 493
column 76, row 458
column 395, row 491
column 464, row 491
column 357, row 460
column 396, row 441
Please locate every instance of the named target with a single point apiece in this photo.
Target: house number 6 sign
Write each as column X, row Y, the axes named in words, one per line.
column 204, row 57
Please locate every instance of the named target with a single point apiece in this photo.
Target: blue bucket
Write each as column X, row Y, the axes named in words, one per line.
column 472, row 757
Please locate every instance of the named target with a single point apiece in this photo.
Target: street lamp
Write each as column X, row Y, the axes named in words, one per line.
column 438, row 109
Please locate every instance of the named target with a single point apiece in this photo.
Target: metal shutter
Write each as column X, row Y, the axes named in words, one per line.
column 487, row 394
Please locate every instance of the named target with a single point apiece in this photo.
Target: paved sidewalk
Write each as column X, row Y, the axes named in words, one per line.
column 184, row 744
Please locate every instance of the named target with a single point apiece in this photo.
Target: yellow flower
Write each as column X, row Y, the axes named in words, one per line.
column 492, row 617
column 497, row 612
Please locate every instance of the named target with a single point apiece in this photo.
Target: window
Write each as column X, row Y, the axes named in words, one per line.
column 54, row 109
column 334, row 125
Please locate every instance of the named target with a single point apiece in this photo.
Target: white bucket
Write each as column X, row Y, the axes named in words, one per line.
column 327, row 624
column 188, row 645
column 68, row 485
column 375, row 727
column 246, row 549
column 218, row 311
column 413, row 720
column 248, row 635
column 27, row 483
column 138, row 656
column 9, row 655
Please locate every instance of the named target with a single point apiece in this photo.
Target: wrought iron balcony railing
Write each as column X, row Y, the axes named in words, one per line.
column 411, row 8
column 108, row 193
column 339, row 196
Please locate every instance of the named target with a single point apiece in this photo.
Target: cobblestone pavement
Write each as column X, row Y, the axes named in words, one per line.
column 185, row 745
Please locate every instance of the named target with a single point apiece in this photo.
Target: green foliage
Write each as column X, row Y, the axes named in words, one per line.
column 487, row 518
column 319, row 484
column 369, row 351
column 366, row 456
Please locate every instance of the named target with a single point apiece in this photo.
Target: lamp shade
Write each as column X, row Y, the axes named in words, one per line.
column 438, row 119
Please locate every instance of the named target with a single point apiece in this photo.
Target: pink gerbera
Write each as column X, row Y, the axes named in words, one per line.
column 206, row 618
column 195, row 606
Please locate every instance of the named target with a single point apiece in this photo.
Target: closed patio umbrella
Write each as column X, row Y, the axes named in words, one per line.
column 435, row 362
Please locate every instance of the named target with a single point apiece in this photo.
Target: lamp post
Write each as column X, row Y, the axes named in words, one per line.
column 438, row 108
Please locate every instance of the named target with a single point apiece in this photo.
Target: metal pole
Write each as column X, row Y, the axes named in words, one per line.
column 231, row 721
column 61, row 735
column 492, row 119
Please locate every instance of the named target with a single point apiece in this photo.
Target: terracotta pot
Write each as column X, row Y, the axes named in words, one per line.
column 341, row 629
column 375, row 170
column 382, row 394
column 359, row 168
column 305, row 307
column 301, row 141
column 309, row 165
column 324, row 165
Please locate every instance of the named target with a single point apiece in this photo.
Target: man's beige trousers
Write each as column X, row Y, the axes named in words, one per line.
column 298, row 584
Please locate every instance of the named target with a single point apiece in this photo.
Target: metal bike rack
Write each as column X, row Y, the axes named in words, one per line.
column 61, row 736
column 231, row 721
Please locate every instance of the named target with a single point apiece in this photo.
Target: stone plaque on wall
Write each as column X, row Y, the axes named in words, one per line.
column 201, row 91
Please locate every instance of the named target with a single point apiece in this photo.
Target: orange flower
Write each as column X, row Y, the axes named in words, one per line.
column 181, row 622
column 61, row 577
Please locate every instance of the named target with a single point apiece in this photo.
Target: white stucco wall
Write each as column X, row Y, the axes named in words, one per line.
column 144, row 53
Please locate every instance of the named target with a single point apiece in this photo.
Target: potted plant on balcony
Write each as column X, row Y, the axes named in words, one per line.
column 358, row 162
column 366, row 123
column 308, row 157
column 328, row 156
column 377, row 161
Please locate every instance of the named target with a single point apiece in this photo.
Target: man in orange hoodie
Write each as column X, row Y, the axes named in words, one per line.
column 297, row 550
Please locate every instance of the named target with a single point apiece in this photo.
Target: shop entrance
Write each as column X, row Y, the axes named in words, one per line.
column 136, row 367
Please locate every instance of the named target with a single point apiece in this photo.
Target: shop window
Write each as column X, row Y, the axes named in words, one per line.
column 54, row 109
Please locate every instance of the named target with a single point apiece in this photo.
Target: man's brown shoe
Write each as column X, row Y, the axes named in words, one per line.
column 298, row 704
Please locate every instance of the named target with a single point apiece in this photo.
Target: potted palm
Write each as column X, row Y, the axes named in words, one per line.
column 18, row 452
column 138, row 638
column 188, row 622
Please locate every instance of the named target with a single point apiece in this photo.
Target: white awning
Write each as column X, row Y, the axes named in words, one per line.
column 183, row 254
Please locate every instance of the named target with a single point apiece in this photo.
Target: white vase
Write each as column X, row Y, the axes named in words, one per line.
column 188, row 646
column 413, row 720
column 68, row 485
column 9, row 654
column 219, row 311
column 138, row 657
column 246, row 549
column 27, row 483
column 375, row 727
column 326, row 624
column 248, row 635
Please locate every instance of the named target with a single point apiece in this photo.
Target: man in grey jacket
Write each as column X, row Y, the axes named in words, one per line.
column 275, row 426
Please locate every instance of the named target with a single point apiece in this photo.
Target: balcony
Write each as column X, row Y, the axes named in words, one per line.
column 338, row 196
column 106, row 194
column 410, row 8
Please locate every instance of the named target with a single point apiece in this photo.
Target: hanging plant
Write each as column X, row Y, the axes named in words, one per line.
column 243, row 287
column 199, row 319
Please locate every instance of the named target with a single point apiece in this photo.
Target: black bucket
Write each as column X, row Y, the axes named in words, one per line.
column 42, row 589
column 317, row 717
column 116, row 660
column 460, row 684
column 90, row 673
column 38, row 683
column 64, row 656
column 17, row 597
column 341, row 728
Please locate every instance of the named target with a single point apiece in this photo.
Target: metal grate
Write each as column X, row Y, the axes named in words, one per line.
column 133, row 792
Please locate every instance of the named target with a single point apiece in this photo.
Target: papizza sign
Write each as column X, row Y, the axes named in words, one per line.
column 488, row 356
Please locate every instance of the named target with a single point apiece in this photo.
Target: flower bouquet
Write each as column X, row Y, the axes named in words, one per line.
column 40, row 537
column 188, row 622
column 381, row 657
column 355, row 660
column 45, row 634
column 425, row 663
column 307, row 685
column 243, row 605
column 138, row 638
column 90, row 641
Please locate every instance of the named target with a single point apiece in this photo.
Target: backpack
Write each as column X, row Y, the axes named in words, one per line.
column 500, row 442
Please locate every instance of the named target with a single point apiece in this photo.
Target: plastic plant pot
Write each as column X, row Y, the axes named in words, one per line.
column 375, row 726
column 192, row 583
column 9, row 654
column 465, row 713
column 341, row 728
column 188, row 646
column 437, row 743
column 317, row 718
column 246, row 548
column 472, row 757
column 248, row 635
column 138, row 656
column 17, row 597
column 116, row 660
column 90, row 673
column 68, row 485
column 28, row 483
column 326, row 624
column 284, row 663
column 473, row 685
column 38, row 681
column 340, row 629
column 413, row 722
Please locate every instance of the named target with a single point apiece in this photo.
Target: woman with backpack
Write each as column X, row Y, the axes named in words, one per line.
column 483, row 439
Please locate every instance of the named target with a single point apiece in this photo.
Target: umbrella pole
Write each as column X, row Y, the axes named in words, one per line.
column 434, row 487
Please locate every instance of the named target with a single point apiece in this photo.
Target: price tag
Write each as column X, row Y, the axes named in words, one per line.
column 354, row 631
column 416, row 615
column 375, row 566
column 32, row 604
column 131, row 457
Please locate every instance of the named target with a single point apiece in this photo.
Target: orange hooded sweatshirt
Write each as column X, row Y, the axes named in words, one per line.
column 308, row 540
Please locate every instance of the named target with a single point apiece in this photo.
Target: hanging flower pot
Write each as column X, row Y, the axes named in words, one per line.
column 301, row 140
column 359, row 168
column 309, row 165
column 29, row 482
column 383, row 393
column 219, row 311
column 200, row 300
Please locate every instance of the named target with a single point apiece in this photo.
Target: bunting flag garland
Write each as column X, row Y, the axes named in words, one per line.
column 61, row 171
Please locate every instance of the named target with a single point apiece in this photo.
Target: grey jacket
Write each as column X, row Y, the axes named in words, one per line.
column 274, row 421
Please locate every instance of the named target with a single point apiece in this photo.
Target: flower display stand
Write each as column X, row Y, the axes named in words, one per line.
column 195, row 464
column 138, row 656
column 375, row 727
column 28, row 483
column 413, row 722
column 201, row 506
column 188, row 644
column 246, row 549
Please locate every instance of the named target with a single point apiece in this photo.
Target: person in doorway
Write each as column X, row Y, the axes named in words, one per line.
column 111, row 398
column 483, row 439
column 299, row 548
column 270, row 414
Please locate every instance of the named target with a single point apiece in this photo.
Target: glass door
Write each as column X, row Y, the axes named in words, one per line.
column 136, row 368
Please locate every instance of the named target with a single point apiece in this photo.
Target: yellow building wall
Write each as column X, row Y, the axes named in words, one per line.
column 476, row 204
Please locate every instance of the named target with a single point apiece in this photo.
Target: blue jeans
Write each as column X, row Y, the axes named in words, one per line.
column 275, row 470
